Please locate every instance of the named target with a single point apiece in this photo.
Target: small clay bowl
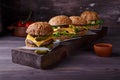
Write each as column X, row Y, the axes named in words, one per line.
column 20, row 31
column 103, row 49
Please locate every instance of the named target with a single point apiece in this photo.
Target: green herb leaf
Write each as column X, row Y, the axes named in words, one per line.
column 54, row 27
column 41, row 38
column 41, row 52
column 99, row 22
column 77, row 30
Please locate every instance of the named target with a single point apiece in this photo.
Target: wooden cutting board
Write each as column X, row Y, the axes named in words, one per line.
column 63, row 50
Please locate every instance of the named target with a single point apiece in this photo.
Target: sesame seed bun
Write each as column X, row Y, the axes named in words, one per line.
column 77, row 20
column 60, row 20
column 89, row 15
column 39, row 28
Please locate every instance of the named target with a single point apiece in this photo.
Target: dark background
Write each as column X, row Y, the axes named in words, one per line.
column 12, row 11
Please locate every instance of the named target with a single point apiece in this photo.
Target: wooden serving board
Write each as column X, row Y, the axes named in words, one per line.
column 90, row 39
column 64, row 49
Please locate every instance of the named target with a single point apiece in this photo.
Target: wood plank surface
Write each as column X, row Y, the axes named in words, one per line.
column 84, row 65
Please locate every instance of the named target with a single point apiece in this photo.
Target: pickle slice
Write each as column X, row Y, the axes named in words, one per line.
column 41, row 38
column 41, row 52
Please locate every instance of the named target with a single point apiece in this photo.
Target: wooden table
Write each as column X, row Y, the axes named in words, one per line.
column 84, row 65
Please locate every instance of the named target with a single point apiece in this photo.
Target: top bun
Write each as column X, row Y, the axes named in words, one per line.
column 77, row 20
column 60, row 20
column 39, row 28
column 89, row 15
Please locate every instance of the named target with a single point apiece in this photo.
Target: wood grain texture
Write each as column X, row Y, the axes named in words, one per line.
column 29, row 58
column 83, row 65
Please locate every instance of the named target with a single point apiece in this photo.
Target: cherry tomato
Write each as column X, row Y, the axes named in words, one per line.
column 20, row 24
column 28, row 23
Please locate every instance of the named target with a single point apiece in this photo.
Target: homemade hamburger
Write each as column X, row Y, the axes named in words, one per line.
column 92, row 19
column 39, row 35
column 60, row 25
column 60, row 21
column 79, row 25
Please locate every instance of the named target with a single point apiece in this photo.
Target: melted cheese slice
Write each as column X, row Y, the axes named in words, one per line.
column 56, row 28
column 37, row 43
column 70, row 30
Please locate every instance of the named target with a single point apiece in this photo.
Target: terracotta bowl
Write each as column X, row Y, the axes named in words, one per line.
column 20, row 31
column 103, row 49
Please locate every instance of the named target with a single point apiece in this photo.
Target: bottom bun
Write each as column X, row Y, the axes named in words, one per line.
column 48, row 44
column 93, row 27
column 62, row 37
column 29, row 43
column 82, row 33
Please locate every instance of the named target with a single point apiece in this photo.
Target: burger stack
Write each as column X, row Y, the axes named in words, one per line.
column 39, row 35
column 92, row 19
column 61, row 27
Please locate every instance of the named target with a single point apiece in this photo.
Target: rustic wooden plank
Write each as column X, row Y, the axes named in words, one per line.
column 29, row 58
column 25, row 57
column 73, row 45
column 60, row 75
column 89, row 40
column 84, row 65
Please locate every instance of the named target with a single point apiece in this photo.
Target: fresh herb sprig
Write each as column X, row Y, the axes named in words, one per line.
column 95, row 22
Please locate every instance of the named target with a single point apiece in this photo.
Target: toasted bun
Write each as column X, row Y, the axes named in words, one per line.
column 89, row 15
column 39, row 28
column 94, row 27
column 60, row 20
column 82, row 33
column 77, row 20
column 29, row 43
column 62, row 38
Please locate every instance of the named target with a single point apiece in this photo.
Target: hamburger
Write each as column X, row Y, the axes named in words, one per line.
column 92, row 19
column 60, row 21
column 60, row 25
column 39, row 34
column 79, row 25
